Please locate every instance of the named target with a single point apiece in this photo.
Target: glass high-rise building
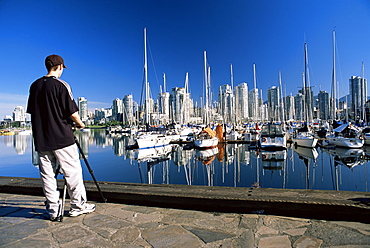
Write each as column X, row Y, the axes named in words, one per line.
column 117, row 109
column 241, row 101
column 358, row 92
column 83, row 110
column 273, row 99
column 323, row 105
column 226, row 103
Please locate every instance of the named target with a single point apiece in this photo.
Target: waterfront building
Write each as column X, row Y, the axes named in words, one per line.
column 273, row 103
column 82, row 109
column 19, row 114
column 103, row 115
column 289, row 104
column 226, row 103
column 147, row 109
column 128, row 109
column 323, row 105
column 164, row 106
column 241, row 101
column 358, row 92
column 254, row 113
column 117, row 110
column 298, row 107
column 180, row 105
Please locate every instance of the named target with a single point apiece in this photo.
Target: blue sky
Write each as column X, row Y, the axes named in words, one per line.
column 102, row 44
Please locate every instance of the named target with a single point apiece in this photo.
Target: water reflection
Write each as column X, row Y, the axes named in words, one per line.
column 232, row 165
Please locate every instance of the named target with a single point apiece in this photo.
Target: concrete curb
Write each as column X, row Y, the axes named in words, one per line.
column 317, row 204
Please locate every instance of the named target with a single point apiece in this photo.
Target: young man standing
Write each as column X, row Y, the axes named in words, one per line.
column 53, row 110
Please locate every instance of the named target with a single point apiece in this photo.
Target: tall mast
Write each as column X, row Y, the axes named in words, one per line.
column 206, row 87
column 185, row 101
column 146, row 80
column 233, row 101
column 255, row 93
column 164, row 82
column 364, row 91
column 334, row 80
column 305, row 107
column 281, row 98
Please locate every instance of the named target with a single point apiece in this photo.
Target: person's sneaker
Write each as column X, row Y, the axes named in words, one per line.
column 88, row 208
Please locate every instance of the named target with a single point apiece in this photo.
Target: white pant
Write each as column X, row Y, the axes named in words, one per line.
column 68, row 160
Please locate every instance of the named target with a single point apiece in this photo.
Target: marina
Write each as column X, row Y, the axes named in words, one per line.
column 228, row 164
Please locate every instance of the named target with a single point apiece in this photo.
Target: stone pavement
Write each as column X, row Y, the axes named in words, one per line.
column 22, row 224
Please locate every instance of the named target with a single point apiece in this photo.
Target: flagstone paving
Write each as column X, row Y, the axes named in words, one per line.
column 22, row 224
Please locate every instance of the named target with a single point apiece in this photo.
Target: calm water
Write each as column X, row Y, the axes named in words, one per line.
column 230, row 165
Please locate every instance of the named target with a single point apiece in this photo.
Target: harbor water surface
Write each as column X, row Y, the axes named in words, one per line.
column 231, row 165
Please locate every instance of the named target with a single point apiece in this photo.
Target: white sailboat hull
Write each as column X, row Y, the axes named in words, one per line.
column 152, row 140
column 305, row 141
column 345, row 142
column 206, row 143
column 273, row 142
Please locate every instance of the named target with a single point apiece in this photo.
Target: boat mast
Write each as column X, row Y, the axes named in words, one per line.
column 233, row 101
column 164, row 82
column 146, row 81
column 206, row 88
column 306, row 88
column 364, row 92
column 334, row 81
column 255, row 93
column 281, row 98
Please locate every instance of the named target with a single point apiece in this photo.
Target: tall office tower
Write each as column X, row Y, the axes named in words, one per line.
column 273, row 103
column 117, row 109
column 83, row 110
column 308, row 100
column 323, row 105
column 254, row 105
column 128, row 109
column 241, row 101
column 147, row 109
column 298, row 107
column 358, row 92
column 289, row 107
column 19, row 114
column 180, row 105
column 164, row 104
column 226, row 103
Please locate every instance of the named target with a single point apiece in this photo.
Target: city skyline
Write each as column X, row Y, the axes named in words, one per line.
column 102, row 44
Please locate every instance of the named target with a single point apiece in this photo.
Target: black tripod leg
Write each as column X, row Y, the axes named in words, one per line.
column 90, row 170
column 62, row 204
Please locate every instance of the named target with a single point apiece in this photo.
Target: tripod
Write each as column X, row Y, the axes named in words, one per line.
column 62, row 204
column 90, row 170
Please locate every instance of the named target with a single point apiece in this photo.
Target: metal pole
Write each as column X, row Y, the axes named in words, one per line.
column 89, row 168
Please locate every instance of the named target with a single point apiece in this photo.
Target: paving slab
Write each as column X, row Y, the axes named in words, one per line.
column 163, row 223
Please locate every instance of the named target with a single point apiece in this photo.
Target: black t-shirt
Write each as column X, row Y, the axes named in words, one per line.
column 51, row 104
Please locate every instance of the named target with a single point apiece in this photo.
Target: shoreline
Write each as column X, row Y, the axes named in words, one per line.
column 317, row 204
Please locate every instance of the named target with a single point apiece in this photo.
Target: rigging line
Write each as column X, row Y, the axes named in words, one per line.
column 151, row 56
column 339, row 66
column 142, row 88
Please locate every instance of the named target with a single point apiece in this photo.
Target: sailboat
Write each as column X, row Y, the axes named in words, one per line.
column 345, row 135
column 149, row 139
column 303, row 136
column 207, row 138
column 273, row 136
